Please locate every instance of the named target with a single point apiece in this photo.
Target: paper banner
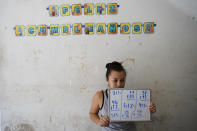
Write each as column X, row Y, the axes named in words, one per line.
column 89, row 28
column 125, row 28
column 100, row 9
column 66, row 29
column 112, row 8
column 112, row 28
column 53, row 10
column 101, row 28
column 31, row 30
column 137, row 28
column 54, row 30
column 88, row 9
column 148, row 27
column 65, row 10
column 20, row 30
column 77, row 29
column 76, row 9
column 42, row 30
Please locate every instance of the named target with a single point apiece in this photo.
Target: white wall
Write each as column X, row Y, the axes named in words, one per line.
column 46, row 83
column 187, row 6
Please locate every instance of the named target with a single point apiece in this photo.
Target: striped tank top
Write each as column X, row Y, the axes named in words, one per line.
column 114, row 126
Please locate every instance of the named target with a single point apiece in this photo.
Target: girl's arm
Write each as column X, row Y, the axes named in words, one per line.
column 95, row 106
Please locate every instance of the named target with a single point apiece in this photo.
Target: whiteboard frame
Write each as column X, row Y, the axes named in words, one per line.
column 127, row 120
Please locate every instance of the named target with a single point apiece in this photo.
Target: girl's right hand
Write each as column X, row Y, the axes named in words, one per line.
column 103, row 121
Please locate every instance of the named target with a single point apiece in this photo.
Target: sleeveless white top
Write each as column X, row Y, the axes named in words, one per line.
column 114, row 126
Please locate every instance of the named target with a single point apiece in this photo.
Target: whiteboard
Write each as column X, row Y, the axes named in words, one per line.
column 129, row 105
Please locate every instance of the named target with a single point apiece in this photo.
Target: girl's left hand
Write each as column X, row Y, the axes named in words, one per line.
column 152, row 107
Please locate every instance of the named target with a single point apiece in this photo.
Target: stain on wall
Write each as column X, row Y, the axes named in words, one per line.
column 1, row 55
column 20, row 127
column 7, row 128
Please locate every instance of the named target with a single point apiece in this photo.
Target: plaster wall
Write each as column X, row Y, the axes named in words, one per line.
column 47, row 83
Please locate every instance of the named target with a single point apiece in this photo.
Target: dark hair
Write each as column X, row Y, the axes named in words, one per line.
column 114, row 66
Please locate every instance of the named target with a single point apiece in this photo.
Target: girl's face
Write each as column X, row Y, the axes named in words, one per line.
column 116, row 79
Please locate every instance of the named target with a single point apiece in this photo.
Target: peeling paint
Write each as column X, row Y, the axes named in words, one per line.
column 25, row 127
column 70, row 59
column 7, row 128
column 106, row 43
column 80, row 57
column 193, row 18
column 83, row 67
column 128, row 63
column 70, row 83
column 130, row 60
column 191, row 69
column 83, row 88
column 1, row 55
column 37, row 54
column 162, row 117
column 20, row 127
column 50, row 119
column 156, row 83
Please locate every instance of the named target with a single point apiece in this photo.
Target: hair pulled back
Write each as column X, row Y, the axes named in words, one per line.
column 114, row 66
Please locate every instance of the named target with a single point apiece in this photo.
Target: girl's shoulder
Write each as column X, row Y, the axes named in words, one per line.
column 98, row 98
column 99, row 94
